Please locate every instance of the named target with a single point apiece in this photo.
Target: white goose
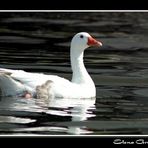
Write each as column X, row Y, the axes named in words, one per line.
column 18, row 82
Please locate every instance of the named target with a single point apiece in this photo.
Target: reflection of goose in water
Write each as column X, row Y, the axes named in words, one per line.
column 79, row 114
column 78, row 110
column 16, row 82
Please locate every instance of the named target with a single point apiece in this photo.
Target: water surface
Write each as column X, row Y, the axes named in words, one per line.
column 39, row 42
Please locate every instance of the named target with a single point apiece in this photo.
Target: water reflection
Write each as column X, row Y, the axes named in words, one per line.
column 78, row 109
column 72, row 111
column 80, row 113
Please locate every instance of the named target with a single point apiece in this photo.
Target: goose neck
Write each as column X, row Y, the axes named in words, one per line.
column 80, row 74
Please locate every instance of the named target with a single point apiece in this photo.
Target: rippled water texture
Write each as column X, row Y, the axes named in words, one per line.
column 39, row 42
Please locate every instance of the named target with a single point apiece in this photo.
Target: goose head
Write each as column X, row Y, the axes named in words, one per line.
column 83, row 40
column 79, row 43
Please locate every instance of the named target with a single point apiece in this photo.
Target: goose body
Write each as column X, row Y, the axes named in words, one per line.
column 18, row 82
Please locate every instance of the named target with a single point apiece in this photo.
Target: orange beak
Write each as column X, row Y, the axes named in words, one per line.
column 93, row 42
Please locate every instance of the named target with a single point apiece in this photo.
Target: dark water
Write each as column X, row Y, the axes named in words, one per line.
column 39, row 42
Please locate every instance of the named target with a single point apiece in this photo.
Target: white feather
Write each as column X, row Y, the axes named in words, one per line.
column 81, row 86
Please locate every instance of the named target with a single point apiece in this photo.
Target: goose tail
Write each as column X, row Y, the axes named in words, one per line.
column 9, row 86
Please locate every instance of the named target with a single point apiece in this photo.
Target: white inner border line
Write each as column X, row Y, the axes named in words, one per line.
column 111, row 136
column 73, row 10
column 33, row 135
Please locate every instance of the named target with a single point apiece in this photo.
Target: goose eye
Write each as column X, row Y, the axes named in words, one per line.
column 81, row 36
